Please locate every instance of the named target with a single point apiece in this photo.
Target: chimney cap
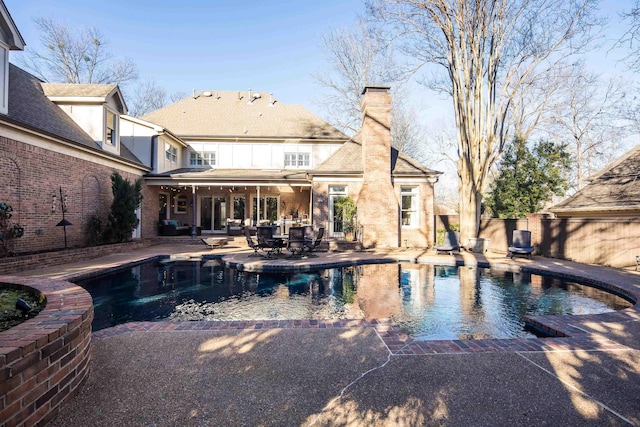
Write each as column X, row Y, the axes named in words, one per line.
column 376, row 89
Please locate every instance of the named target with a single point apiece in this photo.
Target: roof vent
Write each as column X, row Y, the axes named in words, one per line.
column 207, row 94
column 272, row 101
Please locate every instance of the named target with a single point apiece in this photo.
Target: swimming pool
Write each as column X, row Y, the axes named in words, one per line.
column 429, row 302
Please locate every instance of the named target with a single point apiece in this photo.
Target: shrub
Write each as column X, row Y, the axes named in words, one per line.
column 8, row 231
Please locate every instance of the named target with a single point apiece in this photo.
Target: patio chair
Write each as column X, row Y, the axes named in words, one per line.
column 521, row 244
column 266, row 240
column 214, row 242
column 295, row 244
column 451, row 243
column 251, row 242
column 312, row 244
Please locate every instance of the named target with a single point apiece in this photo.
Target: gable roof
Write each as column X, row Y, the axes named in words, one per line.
column 78, row 92
column 28, row 106
column 615, row 188
column 10, row 30
column 231, row 114
column 347, row 160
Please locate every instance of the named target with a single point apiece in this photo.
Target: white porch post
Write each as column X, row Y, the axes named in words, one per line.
column 258, row 207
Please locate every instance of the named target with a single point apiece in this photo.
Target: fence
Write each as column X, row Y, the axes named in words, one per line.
column 606, row 241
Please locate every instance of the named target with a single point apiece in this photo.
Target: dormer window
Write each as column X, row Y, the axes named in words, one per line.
column 111, row 128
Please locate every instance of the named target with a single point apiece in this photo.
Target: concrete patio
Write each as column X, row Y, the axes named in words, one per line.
column 166, row 374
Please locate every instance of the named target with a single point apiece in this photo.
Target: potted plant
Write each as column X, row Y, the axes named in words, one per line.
column 345, row 208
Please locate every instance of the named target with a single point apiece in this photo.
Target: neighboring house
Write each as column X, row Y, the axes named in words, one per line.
column 43, row 151
column 250, row 158
column 613, row 192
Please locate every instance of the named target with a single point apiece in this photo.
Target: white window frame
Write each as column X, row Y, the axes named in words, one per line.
column 180, row 208
column 112, row 142
column 203, row 158
column 410, row 191
column 171, row 153
column 297, row 160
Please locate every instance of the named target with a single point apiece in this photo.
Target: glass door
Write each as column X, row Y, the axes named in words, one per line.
column 220, row 214
column 213, row 214
column 206, row 214
column 335, row 213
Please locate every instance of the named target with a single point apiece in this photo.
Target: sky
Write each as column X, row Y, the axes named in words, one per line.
column 269, row 46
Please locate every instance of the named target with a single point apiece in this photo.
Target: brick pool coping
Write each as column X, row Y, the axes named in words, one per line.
column 45, row 360
column 566, row 336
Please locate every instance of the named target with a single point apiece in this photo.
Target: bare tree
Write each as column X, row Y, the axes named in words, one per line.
column 356, row 58
column 489, row 49
column 79, row 56
column 148, row 96
column 631, row 37
column 589, row 122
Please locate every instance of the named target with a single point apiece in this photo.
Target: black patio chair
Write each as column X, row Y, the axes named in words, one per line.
column 521, row 244
column 312, row 244
column 251, row 242
column 295, row 244
column 266, row 240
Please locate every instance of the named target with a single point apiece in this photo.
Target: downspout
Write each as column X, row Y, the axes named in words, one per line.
column 154, row 145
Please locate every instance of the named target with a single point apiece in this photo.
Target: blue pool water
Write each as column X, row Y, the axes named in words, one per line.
column 429, row 302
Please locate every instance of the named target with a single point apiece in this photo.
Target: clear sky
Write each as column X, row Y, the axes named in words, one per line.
column 268, row 46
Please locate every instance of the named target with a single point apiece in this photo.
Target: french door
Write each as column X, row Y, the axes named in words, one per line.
column 213, row 214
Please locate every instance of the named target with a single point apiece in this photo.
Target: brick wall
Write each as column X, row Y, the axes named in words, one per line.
column 45, row 360
column 27, row 262
column 31, row 175
column 378, row 205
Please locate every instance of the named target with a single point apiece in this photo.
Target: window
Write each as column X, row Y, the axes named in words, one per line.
column 296, row 160
column 409, row 201
column 268, row 209
column 238, row 207
column 111, row 128
column 206, row 158
column 181, row 204
column 171, row 153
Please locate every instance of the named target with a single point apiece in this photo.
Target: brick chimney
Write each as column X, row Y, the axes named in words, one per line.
column 378, row 208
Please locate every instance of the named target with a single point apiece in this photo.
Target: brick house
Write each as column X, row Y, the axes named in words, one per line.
column 250, row 158
column 212, row 161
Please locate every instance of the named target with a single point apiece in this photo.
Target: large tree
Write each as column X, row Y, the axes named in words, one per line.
column 75, row 56
column 528, row 178
column 489, row 50
column 588, row 119
column 356, row 58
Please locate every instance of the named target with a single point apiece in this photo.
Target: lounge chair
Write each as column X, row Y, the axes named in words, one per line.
column 214, row 242
column 521, row 244
column 295, row 244
column 309, row 242
column 451, row 243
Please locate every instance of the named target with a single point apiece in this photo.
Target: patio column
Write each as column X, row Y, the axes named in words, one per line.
column 193, row 211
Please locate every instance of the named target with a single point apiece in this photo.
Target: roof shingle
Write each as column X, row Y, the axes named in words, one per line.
column 617, row 187
column 230, row 114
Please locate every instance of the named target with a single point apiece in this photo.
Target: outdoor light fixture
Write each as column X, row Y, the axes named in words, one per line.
column 64, row 223
column 23, row 306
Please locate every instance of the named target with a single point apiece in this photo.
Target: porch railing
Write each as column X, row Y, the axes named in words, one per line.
column 344, row 231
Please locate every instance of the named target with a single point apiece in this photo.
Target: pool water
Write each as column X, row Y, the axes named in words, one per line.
column 429, row 302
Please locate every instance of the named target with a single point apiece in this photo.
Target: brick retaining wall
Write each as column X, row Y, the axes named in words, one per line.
column 27, row 262
column 45, row 360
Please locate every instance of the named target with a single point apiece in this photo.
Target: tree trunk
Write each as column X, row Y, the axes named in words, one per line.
column 470, row 201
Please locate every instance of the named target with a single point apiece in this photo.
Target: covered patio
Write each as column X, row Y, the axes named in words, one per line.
column 223, row 201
